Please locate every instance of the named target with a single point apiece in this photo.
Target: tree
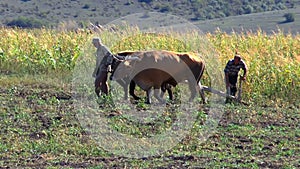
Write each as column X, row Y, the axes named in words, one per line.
column 248, row 9
column 289, row 17
column 146, row 1
column 23, row 22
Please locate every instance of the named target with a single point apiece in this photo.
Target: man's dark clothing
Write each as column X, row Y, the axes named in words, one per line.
column 233, row 71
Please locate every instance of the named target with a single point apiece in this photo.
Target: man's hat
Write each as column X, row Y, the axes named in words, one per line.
column 238, row 56
column 96, row 39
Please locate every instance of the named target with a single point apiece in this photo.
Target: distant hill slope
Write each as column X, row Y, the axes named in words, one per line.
column 229, row 14
column 268, row 22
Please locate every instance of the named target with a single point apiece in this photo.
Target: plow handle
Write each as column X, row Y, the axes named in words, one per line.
column 239, row 96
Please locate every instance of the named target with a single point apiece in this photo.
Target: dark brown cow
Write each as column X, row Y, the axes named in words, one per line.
column 158, row 69
column 128, row 83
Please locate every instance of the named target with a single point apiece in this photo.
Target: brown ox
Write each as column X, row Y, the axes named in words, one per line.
column 127, row 82
column 159, row 69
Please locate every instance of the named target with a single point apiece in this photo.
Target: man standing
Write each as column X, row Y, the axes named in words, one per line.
column 231, row 71
column 104, row 60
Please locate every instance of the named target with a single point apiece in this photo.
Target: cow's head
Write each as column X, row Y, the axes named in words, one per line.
column 123, row 69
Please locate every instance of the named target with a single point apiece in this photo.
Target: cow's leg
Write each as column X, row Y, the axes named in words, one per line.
column 193, row 90
column 166, row 87
column 149, row 93
column 170, row 92
column 163, row 89
column 201, row 92
column 131, row 90
column 157, row 95
column 125, row 88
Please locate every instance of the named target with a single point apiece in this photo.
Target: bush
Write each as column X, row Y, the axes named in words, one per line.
column 248, row 9
column 165, row 8
column 289, row 17
column 86, row 6
column 23, row 22
column 146, row 1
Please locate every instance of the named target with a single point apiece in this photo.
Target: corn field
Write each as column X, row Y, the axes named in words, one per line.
column 273, row 60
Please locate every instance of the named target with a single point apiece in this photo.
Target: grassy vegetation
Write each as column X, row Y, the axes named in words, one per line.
column 39, row 127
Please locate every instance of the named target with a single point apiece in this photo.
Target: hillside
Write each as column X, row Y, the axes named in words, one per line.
column 268, row 22
column 206, row 14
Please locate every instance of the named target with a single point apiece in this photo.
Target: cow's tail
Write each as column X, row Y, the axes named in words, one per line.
column 201, row 90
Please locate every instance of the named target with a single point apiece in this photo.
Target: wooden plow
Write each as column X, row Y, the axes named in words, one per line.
column 237, row 99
